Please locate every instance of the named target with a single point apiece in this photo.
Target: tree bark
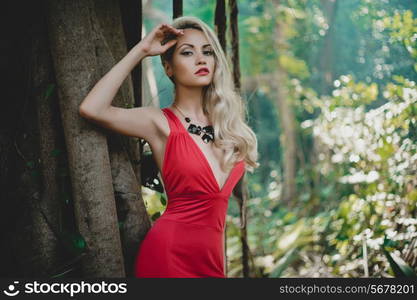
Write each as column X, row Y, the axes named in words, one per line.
column 220, row 29
column 29, row 248
column 132, row 214
column 220, row 23
column 132, row 14
column 47, row 212
column 242, row 192
column 234, row 31
column 177, row 8
column 73, row 37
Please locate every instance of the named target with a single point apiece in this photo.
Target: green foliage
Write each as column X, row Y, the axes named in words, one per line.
column 399, row 267
column 294, row 66
column 49, row 91
column 350, row 78
column 74, row 242
column 365, row 160
column 352, row 94
column 376, row 148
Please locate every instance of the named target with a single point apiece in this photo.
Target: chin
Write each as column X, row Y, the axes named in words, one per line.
column 202, row 82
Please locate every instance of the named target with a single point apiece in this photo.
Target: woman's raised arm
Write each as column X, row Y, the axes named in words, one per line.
column 139, row 121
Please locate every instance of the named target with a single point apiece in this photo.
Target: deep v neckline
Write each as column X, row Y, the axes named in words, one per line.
column 205, row 160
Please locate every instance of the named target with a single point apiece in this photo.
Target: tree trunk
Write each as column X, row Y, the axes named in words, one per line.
column 287, row 121
column 326, row 57
column 130, row 205
column 288, row 141
column 47, row 212
column 242, row 192
column 132, row 14
column 177, row 8
column 234, row 31
column 29, row 248
column 220, row 30
column 73, row 37
column 220, row 23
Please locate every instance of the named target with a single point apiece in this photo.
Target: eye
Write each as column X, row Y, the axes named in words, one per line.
column 209, row 52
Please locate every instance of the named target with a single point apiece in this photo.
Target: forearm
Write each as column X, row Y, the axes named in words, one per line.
column 103, row 93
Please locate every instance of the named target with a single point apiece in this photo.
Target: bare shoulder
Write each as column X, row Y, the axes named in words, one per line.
column 160, row 124
column 160, row 121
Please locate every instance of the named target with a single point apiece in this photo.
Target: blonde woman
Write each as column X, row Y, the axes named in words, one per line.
column 200, row 143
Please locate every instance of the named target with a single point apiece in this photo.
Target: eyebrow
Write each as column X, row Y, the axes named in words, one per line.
column 192, row 46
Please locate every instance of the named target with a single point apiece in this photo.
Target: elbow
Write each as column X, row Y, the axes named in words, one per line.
column 83, row 112
column 89, row 113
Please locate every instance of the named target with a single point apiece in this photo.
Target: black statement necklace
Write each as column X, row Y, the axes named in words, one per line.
column 208, row 131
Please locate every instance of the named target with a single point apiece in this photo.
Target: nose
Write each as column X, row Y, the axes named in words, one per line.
column 200, row 58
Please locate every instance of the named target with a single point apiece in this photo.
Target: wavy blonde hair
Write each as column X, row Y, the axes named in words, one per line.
column 222, row 104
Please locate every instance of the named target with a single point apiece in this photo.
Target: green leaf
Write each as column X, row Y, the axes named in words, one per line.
column 30, row 164
column 49, row 91
column 398, row 265
column 284, row 262
column 74, row 242
column 163, row 200
column 56, row 152
column 156, row 216
column 389, row 243
column 35, row 173
column 290, row 237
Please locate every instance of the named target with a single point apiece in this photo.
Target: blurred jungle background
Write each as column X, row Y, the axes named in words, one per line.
column 336, row 192
column 330, row 87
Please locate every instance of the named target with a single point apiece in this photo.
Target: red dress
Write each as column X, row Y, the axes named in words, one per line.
column 187, row 240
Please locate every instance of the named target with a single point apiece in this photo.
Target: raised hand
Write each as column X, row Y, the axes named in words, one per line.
column 160, row 39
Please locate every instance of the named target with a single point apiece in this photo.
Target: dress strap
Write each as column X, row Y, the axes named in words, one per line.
column 172, row 120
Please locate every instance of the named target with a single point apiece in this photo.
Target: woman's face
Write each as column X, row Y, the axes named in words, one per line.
column 192, row 52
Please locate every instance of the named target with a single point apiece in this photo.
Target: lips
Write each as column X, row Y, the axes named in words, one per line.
column 202, row 71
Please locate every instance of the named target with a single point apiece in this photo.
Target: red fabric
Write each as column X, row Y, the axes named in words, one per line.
column 188, row 239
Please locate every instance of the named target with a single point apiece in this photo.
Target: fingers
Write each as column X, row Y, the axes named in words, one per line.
column 170, row 33
column 167, row 27
column 169, row 44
